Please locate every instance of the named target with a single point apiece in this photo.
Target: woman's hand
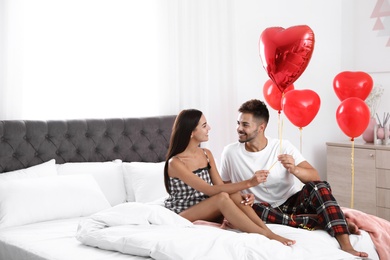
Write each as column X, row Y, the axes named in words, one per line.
column 248, row 199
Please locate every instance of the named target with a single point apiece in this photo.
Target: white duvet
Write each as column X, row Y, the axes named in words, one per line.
column 154, row 231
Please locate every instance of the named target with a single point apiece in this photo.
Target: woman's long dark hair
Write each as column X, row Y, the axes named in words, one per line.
column 185, row 122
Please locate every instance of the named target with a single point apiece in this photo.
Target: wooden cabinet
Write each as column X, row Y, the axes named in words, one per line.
column 370, row 165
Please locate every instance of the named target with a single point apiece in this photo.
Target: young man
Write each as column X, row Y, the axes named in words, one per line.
column 279, row 199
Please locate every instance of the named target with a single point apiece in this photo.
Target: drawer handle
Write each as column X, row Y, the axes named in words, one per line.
column 371, row 155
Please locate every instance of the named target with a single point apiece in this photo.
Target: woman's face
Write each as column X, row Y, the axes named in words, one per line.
column 201, row 132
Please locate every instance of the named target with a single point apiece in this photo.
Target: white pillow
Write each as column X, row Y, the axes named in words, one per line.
column 135, row 213
column 144, row 181
column 109, row 176
column 44, row 169
column 25, row 201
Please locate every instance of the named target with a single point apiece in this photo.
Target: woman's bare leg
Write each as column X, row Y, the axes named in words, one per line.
column 211, row 208
column 248, row 210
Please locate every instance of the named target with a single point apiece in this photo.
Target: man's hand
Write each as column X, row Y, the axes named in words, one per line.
column 288, row 162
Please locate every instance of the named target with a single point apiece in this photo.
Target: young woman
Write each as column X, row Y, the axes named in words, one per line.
column 196, row 189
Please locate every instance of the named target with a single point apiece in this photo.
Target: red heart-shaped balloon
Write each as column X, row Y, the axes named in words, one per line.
column 353, row 116
column 285, row 53
column 272, row 94
column 352, row 84
column 301, row 106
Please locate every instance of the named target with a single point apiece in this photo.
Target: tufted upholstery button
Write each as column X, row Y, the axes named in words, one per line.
column 87, row 135
column 160, row 131
column 96, row 150
column 134, row 148
column 47, row 136
column 142, row 132
column 105, row 134
column 116, row 149
column 57, row 152
column 77, row 151
column 3, row 138
column 67, row 136
column 24, row 137
column 14, row 155
column 36, row 154
column 151, row 147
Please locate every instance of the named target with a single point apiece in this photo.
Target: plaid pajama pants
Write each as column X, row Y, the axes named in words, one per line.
column 313, row 207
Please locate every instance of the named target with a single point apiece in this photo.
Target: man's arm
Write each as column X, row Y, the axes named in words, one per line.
column 303, row 171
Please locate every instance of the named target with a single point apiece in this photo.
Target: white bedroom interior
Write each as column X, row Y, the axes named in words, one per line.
column 85, row 59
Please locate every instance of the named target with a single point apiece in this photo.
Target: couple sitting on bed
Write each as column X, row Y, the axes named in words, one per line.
column 266, row 168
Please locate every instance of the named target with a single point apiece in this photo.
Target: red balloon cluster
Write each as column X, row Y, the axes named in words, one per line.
column 353, row 114
column 285, row 54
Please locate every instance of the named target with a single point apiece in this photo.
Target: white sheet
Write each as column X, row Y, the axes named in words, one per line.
column 51, row 240
column 167, row 241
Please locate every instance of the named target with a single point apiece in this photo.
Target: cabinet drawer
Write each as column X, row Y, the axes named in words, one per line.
column 383, row 178
column 383, row 198
column 339, row 173
column 382, row 159
column 383, row 213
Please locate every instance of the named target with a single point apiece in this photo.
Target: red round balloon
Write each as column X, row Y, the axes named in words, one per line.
column 301, row 106
column 352, row 84
column 353, row 116
column 272, row 94
column 285, row 53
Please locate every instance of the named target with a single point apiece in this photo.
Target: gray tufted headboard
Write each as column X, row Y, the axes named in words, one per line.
column 27, row 143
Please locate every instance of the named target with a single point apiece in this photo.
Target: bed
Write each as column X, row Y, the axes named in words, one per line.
column 93, row 189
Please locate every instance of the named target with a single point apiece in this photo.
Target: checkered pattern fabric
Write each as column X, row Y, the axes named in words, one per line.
column 183, row 196
column 312, row 207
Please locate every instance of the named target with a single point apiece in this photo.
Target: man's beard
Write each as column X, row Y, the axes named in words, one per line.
column 248, row 138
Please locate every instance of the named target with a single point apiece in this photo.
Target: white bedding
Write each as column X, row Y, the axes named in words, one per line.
column 170, row 237
column 51, row 240
column 45, row 216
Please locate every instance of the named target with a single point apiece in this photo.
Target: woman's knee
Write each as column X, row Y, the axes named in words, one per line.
column 223, row 197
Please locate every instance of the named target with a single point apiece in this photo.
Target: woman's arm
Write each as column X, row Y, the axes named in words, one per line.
column 179, row 170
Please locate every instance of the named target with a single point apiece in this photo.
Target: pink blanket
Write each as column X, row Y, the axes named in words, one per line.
column 378, row 228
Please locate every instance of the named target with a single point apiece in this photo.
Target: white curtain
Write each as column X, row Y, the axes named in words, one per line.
column 80, row 58
column 117, row 58
column 201, row 60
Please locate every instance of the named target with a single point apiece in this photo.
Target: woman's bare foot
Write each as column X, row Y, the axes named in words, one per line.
column 283, row 240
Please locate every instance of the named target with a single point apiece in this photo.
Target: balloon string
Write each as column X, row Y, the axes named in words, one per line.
column 300, row 148
column 300, row 139
column 280, row 134
column 352, row 173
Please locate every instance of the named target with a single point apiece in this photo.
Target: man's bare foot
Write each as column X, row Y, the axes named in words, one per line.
column 356, row 253
column 353, row 229
column 346, row 246
column 283, row 240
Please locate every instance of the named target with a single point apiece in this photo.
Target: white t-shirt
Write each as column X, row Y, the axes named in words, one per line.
column 237, row 164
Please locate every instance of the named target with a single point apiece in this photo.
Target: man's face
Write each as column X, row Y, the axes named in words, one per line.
column 247, row 128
